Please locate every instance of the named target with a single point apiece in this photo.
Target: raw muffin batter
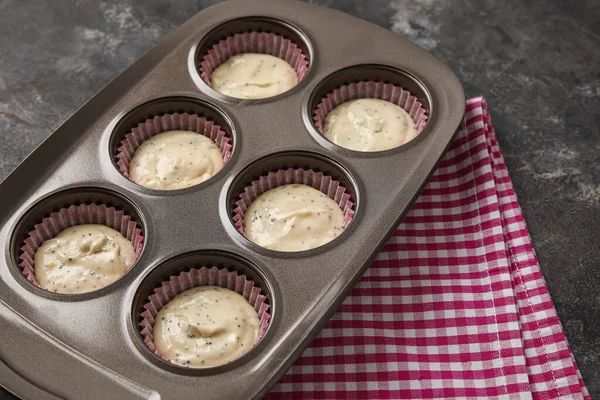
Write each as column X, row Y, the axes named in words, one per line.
column 205, row 326
column 253, row 76
column 369, row 125
column 293, row 218
column 83, row 258
column 175, row 160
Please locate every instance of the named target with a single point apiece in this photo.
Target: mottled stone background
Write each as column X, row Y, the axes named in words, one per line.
column 537, row 63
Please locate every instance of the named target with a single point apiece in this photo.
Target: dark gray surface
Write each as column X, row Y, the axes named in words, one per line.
column 537, row 65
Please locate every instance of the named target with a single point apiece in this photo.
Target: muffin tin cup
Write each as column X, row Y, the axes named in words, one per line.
column 371, row 90
column 75, row 215
column 203, row 276
column 317, row 180
column 253, row 42
column 169, row 122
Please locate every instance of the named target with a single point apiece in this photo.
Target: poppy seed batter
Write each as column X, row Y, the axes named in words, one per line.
column 253, row 76
column 175, row 160
column 83, row 258
column 205, row 326
column 369, row 125
column 293, row 218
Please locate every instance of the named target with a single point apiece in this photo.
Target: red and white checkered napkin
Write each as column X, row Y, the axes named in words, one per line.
column 455, row 306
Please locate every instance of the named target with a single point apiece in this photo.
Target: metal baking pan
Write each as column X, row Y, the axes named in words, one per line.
column 89, row 345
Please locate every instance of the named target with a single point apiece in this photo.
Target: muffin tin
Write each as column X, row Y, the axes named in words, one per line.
column 90, row 345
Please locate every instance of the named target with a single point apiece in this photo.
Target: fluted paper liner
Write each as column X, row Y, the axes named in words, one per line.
column 253, row 42
column 372, row 90
column 204, row 276
column 171, row 122
column 324, row 183
column 74, row 215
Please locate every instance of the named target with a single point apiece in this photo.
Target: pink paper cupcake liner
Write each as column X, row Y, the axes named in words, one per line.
column 324, row 183
column 372, row 90
column 170, row 122
column 74, row 215
column 204, row 276
column 254, row 42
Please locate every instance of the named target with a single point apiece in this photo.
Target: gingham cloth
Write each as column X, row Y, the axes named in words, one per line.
column 455, row 305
